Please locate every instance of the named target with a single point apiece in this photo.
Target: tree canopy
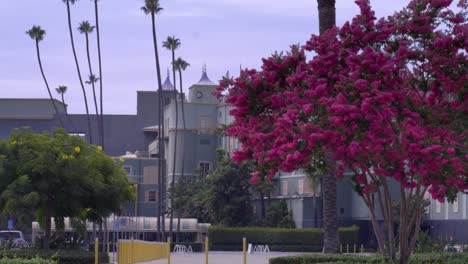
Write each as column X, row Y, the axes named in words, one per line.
column 59, row 175
column 386, row 98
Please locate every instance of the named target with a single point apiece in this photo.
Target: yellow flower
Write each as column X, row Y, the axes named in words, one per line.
column 99, row 148
column 122, row 160
column 77, row 149
column 65, row 157
column 13, row 142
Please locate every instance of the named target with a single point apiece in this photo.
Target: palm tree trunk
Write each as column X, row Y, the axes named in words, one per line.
column 46, row 83
column 175, row 146
column 100, row 71
column 183, row 154
column 79, row 72
column 66, row 112
column 92, row 81
column 48, row 216
column 327, row 19
column 160, row 221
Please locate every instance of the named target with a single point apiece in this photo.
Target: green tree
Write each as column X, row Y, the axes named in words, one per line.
column 278, row 215
column 173, row 43
column 181, row 65
column 37, row 34
column 153, row 8
column 68, row 2
column 86, row 29
column 58, row 175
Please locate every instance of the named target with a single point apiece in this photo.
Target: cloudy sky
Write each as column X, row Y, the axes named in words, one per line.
column 224, row 34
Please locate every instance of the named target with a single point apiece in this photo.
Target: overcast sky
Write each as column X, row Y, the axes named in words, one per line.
column 224, row 34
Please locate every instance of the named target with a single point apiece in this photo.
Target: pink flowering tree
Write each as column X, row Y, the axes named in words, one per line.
column 386, row 99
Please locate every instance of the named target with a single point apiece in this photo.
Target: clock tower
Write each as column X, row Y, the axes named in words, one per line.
column 202, row 92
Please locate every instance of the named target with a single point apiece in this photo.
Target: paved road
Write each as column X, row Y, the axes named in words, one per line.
column 220, row 257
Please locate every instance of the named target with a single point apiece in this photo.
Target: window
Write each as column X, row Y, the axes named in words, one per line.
column 204, row 124
column 204, row 168
column 438, row 206
column 284, row 188
column 128, row 169
column 455, row 205
column 300, row 186
column 151, row 197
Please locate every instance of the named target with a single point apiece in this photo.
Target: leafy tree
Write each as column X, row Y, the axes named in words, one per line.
column 37, row 34
column 386, row 97
column 222, row 197
column 152, row 7
column 58, row 175
column 68, row 3
column 278, row 215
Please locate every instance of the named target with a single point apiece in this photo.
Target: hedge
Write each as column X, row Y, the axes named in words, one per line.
column 62, row 256
column 230, row 236
column 27, row 261
column 429, row 258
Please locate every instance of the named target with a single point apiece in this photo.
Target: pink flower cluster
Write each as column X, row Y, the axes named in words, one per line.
column 387, row 97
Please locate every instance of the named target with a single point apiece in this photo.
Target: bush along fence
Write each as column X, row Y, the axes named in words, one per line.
column 52, row 256
column 278, row 239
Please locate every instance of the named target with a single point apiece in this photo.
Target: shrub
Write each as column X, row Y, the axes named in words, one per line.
column 27, row 261
column 62, row 256
column 437, row 258
column 232, row 237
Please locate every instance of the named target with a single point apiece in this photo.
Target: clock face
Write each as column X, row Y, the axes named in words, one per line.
column 199, row 94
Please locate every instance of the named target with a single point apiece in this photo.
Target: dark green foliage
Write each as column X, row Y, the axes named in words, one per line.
column 300, row 239
column 278, row 215
column 436, row 258
column 27, row 261
column 62, row 256
column 222, row 197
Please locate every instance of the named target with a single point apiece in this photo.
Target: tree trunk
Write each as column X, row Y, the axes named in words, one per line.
column 100, row 70
column 183, row 154
column 47, row 84
column 48, row 216
column 79, row 72
column 161, row 167
column 327, row 19
column 262, row 205
column 92, row 82
column 175, row 147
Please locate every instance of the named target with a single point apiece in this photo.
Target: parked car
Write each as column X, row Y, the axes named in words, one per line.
column 12, row 239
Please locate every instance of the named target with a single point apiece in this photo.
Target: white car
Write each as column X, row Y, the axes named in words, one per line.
column 15, row 237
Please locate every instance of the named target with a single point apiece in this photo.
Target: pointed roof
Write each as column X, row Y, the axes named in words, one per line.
column 167, row 85
column 204, row 80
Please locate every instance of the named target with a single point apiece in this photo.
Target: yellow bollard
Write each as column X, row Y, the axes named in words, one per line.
column 362, row 248
column 347, row 248
column 341, row 248
column 244, row 249
column 206, row 250
column 168, row 250
column 355, row 248
column 96, row 251
column 132, row 250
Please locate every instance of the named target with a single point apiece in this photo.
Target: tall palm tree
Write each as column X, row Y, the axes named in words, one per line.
column 153, row 8
column 180, row 65
column 68, row 2
column 86, row 29
column 101, row 128
column 37, row 34
column 173, row 43
column 61, row 90
column 327, row 19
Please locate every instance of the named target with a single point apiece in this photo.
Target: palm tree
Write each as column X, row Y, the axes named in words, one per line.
column 37, row 33
column 101, row 128
column 327, row 19
column 61, row 90
column 86, row 29
column 173, row 43
column 153, row 8
column 180, row 65
column 68, row 2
